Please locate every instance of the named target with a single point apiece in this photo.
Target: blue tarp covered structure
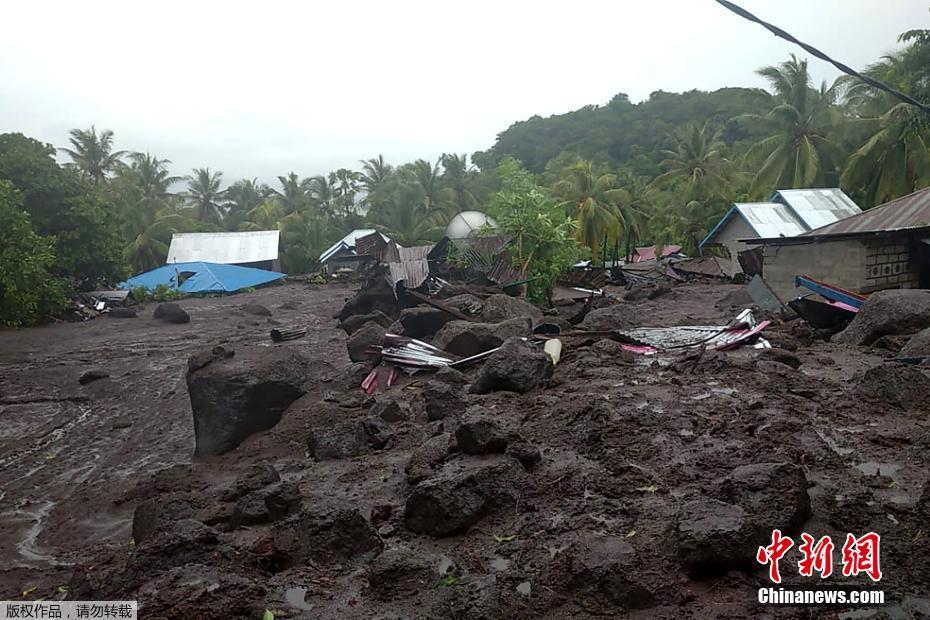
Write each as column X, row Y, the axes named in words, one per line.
column 200, row 277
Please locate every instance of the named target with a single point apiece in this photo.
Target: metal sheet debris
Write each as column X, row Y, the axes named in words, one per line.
column 764, row 297
column 651, row 340
column 831, row 292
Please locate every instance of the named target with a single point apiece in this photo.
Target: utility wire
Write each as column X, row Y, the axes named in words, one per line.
column 778, row 32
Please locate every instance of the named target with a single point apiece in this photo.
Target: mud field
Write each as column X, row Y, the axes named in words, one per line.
column 621, row 487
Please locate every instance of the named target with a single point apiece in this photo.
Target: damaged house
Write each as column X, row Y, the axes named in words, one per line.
column 789, row 213
column 345, row 255
column 885, row 247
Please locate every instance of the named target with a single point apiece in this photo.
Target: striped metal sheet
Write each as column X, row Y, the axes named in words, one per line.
column 818, row 207
column 225, row 248
column 907, row 212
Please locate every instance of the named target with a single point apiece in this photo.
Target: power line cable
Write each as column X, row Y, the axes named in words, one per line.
column 778, row 32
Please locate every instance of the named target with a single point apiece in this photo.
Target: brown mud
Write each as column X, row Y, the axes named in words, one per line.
column 617, row 517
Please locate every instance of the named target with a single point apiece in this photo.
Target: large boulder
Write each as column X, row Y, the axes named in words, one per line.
column 461, row 494
column 334, row 433
column 479, row 433
column 465, row 338
column 515, row 367
column 898, row 385
column 893, row 312
column 773, row 495
column 442, row 400
column 353, row 323
column 617, row 316
column 359, row 343
column 423, row 321
column 317, row 535
column 171, row 313
column 918, row 345
column 374, row 295
column 426, row 458
column 497, row 308
column 466, row 303
column 608, row 566
column 713, row 537
column 233, row 397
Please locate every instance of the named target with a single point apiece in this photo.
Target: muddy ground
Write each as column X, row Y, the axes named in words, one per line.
column 631, row 454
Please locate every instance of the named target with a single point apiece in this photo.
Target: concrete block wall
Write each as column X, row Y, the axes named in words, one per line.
column 842, row 263
column 888, row 265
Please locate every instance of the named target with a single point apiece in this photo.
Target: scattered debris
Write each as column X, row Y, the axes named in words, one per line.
column 281, row 334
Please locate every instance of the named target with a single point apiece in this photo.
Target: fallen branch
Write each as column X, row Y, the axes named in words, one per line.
column 441, row 306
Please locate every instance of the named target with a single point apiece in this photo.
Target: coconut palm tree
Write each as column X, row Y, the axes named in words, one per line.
column 203, row 190
column 399, row 211
column 458, row 177
column 149, row 248
column 893, row 137
column 242, row 197
column 799, row 151
column 427, row 177
column 375, row 172
column 323, row 192
column 304, row 235
column 697, row 164
column 347, row 186
column 594, row 199
column 92, row 153
column 295, row 193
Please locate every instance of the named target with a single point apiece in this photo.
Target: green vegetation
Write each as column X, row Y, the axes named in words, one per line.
column 592, row 183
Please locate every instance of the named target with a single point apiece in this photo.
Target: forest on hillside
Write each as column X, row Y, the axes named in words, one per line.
column 591, row 182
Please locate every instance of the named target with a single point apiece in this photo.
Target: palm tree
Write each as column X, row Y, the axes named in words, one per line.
column 295, row 193
column 242, row 197
column 697, row 163
column 458, row 177
column 149, row 247
column 203, row 190
column 304, row 235
column 152, row 176
column 375, row 172
column 892, row 159
column 322, row 190
column 798, row 152
column 93, row 154
column 427, row 177
column 594, row 199
column 347, row 186
column 264, row 216
column 399, row 212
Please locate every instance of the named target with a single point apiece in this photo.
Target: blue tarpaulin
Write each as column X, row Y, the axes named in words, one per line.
column 202, row 277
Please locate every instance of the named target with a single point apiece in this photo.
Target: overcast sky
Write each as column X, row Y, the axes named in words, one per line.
column 261, row 88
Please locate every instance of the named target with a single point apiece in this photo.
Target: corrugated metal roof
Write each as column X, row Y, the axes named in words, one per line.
column 770, row 219
column 225, row 248
column 417, row 252
column 817, row 207
column 411, row 272
column 649, row 252
column 911, row 211
column 347, row 242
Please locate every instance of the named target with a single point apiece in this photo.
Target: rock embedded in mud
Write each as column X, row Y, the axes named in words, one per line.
column 92, row 375
column 501, row 307
column 461, row 494
column 171, row 313
column 398, row 572
column 353, row 323
column 479, row 433
column 427, row 458
column 891, row 312
column 781, row 356
column 325, row 536
column 378, row 432
column 465, row 338
column 271, row 503
column 918, row 345
column 899, row 385
column 773, row 495
column 525, row 452
column 337, row 434
column 713, row 537
column 153, row 515
column 258, row 476
column 122, row 313
column 389, row 409
column 423, row 321
column 360, row 343
column 607, row 565
column 452, row 376
column 233, row 398
column 515, row 367
column 617, row 316
column 255, row 309
column 442, row 400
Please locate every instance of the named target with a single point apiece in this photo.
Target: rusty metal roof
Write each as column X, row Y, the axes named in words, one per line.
column 911, row 211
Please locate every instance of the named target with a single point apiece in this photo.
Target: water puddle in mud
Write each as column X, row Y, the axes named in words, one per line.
column 873, row 468
column 499, row 564
column 297, row 597
column 27, row 547
column 445, row 563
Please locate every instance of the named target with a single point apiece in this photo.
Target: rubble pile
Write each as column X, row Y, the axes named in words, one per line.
column 431, row 457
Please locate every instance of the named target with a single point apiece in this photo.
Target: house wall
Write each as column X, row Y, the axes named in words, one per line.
column 737, row 228
column 862, row 266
